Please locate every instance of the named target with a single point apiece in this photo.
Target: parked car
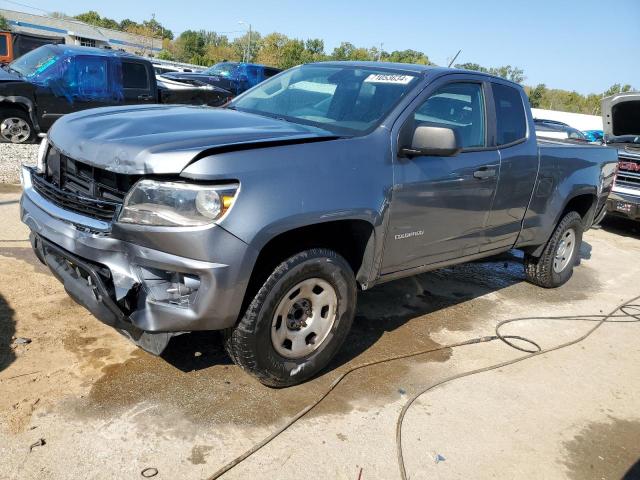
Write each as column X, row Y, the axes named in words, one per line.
column 166, row 66
column 264, row 218
column 595, row 136
column 621, row 117
column 232, row 76
column 54, row 80
column 558, row 131
column 15, row 44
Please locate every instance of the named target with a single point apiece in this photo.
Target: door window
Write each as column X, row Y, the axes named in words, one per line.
column 135, row 76
column 3, row 46
column 459, row 106
column 510, row 116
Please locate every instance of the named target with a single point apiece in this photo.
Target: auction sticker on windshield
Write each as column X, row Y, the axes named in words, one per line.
column 386, row 78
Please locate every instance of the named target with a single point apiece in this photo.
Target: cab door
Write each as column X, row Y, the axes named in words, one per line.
column 137, row 85
column 440, row 205
column 519, row 166
column 81, row 82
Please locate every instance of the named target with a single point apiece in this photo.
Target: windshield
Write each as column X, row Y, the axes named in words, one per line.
column 35, row 62
column 222, row 69
column 341, row 99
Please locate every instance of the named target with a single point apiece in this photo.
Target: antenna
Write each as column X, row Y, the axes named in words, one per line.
column 454, row 58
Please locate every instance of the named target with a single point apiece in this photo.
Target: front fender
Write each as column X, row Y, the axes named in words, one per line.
column 25, row 103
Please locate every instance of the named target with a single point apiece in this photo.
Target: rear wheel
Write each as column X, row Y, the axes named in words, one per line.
column 15, row 126
column 297, row 321
column 555, row 266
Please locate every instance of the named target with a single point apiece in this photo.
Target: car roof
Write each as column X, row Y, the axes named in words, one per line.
column 411, row 68
column 247, row 64
column 78, row 50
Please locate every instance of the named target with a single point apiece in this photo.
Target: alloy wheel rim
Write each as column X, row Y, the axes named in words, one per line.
column 564, row 251
column 15, row 130
column 303, row 318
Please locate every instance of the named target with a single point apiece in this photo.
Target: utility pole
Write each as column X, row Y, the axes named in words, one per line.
column 249, row 46
column 380, row 51
column 246, row 57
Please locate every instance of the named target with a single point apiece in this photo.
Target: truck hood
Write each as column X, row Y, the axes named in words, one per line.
column 163, row 139
column 621, row 114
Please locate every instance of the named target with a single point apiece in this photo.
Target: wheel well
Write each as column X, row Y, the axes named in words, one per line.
column 581, row 204
column 15, row 106
column 348, row 238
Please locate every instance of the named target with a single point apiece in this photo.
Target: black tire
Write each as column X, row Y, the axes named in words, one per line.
column 250, row 344
column 540, row 271
column 12, row 118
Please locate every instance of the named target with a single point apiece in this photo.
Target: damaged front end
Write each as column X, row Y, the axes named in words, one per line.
column 91, row 285
column 148, row 283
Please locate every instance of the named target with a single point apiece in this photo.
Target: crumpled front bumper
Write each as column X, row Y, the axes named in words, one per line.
column 107, row 278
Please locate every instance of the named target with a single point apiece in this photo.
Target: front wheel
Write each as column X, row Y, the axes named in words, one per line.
column 298, row 319
column 555, row 266
column 15, row 126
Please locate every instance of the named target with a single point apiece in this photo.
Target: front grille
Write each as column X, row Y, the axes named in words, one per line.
column 628, row 172
column 82, row 188
column 91, row 207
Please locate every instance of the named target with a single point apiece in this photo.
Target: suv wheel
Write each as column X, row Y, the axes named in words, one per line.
column 15, row 126
column 555, row 266
column 298, row 319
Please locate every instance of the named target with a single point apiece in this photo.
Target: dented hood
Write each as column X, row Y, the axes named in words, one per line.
column 164, row 139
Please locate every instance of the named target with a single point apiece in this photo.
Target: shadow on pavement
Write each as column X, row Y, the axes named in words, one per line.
column 383, row 309
column 7, row 331
column 621, row 226
column 196, row 351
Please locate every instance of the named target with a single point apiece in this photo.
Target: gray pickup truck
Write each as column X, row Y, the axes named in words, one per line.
column 263, row 219
column 621, row 119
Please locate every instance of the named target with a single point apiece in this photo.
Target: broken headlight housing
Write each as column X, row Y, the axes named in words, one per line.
column 176, row 204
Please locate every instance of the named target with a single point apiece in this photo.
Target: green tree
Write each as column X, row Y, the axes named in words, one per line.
column 272, row 49
column 165, row 55
column 537, row 95
column 219, row 49
column 514, row 74
column 314, row 47
column 4, row 25
column 406, row 56
column 157, row 29
column 348, row 51
column 617, row 88
column 190, row 47
column 249, row 46
column 292, row 54
column 91, row 17
column 472, row 66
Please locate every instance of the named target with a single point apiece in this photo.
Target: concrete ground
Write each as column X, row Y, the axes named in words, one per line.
column 105, row 409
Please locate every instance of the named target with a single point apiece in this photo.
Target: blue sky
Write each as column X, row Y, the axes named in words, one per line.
column 583, row 45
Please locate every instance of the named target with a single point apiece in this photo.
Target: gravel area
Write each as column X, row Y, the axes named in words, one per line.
column 11, row 157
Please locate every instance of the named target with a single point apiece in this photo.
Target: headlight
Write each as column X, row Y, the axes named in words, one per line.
column 176, row 204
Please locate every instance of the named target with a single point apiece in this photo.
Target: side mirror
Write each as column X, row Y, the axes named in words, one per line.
column 433, row 141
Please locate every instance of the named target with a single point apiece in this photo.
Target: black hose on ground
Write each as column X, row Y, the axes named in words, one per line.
column 629, row 311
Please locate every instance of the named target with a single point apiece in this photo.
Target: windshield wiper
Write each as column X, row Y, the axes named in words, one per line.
column 13, row 70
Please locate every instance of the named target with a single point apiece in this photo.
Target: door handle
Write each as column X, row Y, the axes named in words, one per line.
column 484, row 172
column 144, row 97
